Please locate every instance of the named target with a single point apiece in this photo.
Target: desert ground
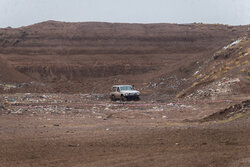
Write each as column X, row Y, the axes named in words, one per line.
column 194, row 80
column 44, row 130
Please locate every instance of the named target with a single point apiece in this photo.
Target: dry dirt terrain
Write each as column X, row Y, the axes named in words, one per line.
column 44, row 130
column 194, row 81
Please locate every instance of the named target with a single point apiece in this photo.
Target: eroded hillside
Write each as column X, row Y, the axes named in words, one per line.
column 225, row 75
column 90, row 57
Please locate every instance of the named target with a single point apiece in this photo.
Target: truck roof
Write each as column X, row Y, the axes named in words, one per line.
column 120, row 85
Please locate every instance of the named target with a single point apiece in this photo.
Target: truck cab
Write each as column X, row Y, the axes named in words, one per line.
column 124, row 93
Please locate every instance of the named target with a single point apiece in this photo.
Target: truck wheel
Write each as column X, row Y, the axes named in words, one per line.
column 137, row 98
column 123, row 98
column 112, row 98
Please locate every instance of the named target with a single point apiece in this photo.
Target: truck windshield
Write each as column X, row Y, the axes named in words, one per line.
column 126, row 88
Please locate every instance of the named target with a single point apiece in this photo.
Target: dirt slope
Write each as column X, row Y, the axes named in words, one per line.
column 9, row 74
column 226, row 74
column 90, row 57
column 231, row 111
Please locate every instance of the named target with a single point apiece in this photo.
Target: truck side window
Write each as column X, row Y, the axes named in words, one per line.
column 118, row 89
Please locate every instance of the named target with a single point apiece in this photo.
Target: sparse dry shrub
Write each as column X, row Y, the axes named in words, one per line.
column 245, row 62
column 195, row 84
column 229, row 63
column 198, row 76
column 229, row 68
column 237, row 63
column 248, row 50
column 240, row 53
column 243, row 70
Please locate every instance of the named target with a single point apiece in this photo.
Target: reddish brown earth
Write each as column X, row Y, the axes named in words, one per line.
column 195, row 95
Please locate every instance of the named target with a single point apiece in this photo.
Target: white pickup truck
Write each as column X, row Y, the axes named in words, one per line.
column 124, row 93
